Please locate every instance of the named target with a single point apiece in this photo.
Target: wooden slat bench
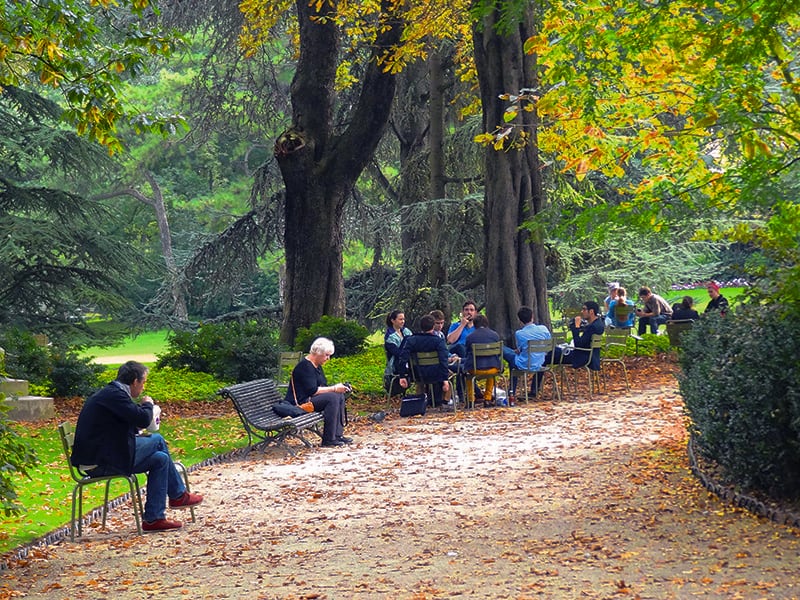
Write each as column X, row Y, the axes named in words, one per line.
column 253, row 401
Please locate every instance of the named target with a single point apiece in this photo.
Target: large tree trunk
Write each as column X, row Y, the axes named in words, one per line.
column 320, row 166
column 514, row 266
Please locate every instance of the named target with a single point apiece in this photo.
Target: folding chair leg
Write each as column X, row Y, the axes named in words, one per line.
column 185, row 474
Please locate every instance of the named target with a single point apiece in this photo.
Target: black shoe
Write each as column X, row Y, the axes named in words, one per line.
column 333, row 444
column 344, row 439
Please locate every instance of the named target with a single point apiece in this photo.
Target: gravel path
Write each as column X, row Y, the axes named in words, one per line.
column 568, row 500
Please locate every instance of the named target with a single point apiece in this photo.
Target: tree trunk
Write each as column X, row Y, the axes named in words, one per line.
column 514, row 265
column 177, row 290
column 320, row 166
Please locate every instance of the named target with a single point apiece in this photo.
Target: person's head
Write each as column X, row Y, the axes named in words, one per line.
column 613, row 286
column 590, row 310
column 438, row 319
column 621, row 293
column 645, row 292
column 525, row 314
column 469, row 309
column 321, row 350
column 480, row 320
column 134, row 375
column 396, row 319
column 687, row 302
column 713, row 289
column 426, row 323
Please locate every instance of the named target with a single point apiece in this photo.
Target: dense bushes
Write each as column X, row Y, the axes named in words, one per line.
column 49, row 369
column 231, row 351
column 72, row 375
column 348, row 336
column 741, row 386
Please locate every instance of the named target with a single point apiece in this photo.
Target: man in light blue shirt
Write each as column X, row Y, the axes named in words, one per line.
column 518, row 359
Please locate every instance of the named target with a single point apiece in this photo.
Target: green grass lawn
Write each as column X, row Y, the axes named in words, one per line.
column 149, row 343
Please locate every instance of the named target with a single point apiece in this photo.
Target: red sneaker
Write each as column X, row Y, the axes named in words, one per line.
column 161, row 525
column 186, row 501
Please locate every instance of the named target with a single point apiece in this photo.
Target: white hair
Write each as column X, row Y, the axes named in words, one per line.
column 322, row 345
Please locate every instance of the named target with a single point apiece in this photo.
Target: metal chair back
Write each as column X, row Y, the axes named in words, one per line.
column 67, row 433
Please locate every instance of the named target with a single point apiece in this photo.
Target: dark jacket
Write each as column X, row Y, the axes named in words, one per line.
column 105, row 434
column 482, row 335
column 720, row 303
column 582, row 338
column 682, row 314
column 423, row 342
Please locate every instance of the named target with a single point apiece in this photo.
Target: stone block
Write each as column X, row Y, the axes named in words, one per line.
column 30, row 408
column 13, row 387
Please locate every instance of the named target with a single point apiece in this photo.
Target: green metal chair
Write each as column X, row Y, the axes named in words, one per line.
column 534, row 347
column 473, row 374
column 427, row 359
column 676, row 331
column 614, row 350
column 593, row 376
column 67, row 432
column 286, row 363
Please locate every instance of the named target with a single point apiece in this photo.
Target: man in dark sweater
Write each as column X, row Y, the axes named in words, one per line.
column 107, row 442
column 436, row 375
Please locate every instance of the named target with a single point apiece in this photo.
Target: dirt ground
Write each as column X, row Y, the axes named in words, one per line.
column 589, row 499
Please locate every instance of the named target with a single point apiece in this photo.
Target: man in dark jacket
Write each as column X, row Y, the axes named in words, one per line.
column 107, row 441
column 583, row 327
column 482, row 365
column 436, row 375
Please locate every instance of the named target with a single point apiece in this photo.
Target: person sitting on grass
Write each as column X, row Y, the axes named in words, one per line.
column 107, row 442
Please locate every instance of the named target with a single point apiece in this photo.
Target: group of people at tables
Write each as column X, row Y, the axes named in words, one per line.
column 455, row 347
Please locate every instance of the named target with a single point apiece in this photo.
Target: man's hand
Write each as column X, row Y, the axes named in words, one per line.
column 147, row 399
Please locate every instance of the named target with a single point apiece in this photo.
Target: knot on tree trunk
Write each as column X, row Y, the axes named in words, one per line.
column 289, row 142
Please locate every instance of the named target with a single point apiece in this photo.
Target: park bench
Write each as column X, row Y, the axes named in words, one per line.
column 253, row 401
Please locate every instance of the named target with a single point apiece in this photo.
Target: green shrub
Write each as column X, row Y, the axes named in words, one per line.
column 72, row 375
column 741, row 387
column 16, row 456
column 231, row 351
column 25, row 358
column 348, row 337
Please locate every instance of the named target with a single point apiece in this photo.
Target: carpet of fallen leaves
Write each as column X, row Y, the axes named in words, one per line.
column 577, row 499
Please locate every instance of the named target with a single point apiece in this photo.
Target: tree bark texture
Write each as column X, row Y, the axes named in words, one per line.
column 320, row 164
column 514, row 265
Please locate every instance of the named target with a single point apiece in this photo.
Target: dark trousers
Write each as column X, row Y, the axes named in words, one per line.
column 331, row 405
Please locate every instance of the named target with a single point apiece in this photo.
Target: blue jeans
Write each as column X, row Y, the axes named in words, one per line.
column 654, row 323
column 511, row 358
column 152, row 457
